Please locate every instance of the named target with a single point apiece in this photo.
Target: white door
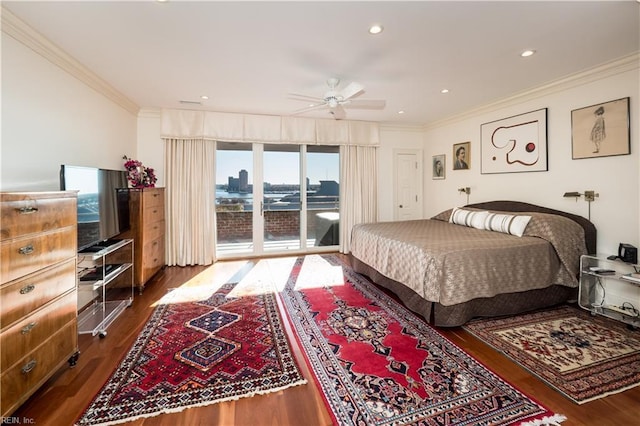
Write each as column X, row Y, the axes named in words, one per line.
column 408, row 178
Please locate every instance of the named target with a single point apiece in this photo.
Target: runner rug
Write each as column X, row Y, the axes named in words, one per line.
column 219, row 347
column 582, row 356
column 377, row 363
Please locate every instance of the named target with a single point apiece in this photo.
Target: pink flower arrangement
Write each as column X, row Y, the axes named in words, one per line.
column 138, row 175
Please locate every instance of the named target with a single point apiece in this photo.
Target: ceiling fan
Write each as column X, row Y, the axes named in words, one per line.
column 336, row 101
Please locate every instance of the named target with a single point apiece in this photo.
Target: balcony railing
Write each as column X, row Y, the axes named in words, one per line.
column 282, row 229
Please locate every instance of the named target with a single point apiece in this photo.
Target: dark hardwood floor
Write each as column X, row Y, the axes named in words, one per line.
column 65, row 396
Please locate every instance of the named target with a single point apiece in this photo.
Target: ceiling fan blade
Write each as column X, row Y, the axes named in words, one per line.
column 352, row 89
column 338, row 112
column 304, row 98
column 309, row 108
column 365, row 104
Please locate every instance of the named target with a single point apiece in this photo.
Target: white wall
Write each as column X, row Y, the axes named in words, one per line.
column 615, row 212
column 51, row 118
column 150, row 145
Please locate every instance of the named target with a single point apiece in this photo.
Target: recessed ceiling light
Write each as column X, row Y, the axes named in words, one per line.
column 401, row 112
column 375, row 29
column 527, row 53
column 204, row 97
column 444, row 91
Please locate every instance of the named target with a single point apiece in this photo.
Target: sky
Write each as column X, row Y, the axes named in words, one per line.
column 280, row 167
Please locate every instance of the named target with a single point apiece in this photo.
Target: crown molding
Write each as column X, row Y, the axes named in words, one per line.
column 401, row 127
column 609, row 69
column 150, row 113
column 23, row 33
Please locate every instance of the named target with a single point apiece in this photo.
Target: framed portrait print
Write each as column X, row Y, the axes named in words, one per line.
column 514, row 144
column 462, row 156
column 601, row 130
column 438, row 166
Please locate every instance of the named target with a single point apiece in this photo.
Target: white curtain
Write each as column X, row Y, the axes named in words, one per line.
column 190, row 193
column 358, row 189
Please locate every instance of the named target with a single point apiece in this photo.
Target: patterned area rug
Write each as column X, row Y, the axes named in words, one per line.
column 198, row 350
column 376, row 363
column 582, row 356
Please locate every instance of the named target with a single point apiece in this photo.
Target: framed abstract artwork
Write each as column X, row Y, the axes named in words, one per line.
column 438, row 166
column 601, row 130
column 515, row 144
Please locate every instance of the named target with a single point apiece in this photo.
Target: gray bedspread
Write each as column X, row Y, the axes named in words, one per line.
column 451, row 264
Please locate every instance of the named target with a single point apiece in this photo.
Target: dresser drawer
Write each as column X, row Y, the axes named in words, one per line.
column 152, row 214
column 30, row 332
column 22, row 296
column 21, row 380
column 28, row 216
column 153, row 231
column 153, row 197
column 153, row 258
column 23, row 256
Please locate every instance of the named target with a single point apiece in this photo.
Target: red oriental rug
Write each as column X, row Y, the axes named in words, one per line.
column 220, row 347
column 582, row 356
column 377, row 363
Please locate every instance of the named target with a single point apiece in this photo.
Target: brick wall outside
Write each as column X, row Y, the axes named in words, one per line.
column 237, row 225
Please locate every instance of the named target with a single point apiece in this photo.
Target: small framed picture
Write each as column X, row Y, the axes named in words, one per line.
column 601, row 130
column 438, row 166
column 462, row 156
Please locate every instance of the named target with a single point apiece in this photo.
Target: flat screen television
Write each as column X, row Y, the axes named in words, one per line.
column 103, row 203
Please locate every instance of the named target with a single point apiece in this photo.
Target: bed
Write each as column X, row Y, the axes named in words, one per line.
column 452, row 272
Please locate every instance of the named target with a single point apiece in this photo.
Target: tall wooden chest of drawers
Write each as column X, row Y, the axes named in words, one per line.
column 38, row 299
column 147, row 232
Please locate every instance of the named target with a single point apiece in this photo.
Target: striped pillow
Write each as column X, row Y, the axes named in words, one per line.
column 506, row 223
column 471, row 218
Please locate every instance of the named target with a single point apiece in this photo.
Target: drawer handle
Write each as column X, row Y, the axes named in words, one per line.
column 26, row 249
column 27, row 328
column 27, row 289
column 29, row 366
column 27, row 210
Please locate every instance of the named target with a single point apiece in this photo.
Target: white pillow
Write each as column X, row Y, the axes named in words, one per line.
column 472, row 218
column 506, row 223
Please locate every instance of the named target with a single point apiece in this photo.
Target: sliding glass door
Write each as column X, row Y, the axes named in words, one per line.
column 323, row 195
column 234, row 199
column 282, row 201
column 263, row 205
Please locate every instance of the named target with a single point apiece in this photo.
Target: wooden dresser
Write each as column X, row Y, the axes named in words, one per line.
column 37, row 291
column 147, row 232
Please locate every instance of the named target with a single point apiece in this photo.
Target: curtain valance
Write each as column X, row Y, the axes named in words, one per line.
column 232, row 127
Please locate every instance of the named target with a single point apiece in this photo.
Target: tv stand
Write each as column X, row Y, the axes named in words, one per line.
column 98, row 247
column 106, row 284
column 93, row 249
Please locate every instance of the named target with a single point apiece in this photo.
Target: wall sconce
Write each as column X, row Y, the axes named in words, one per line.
column 466, row 190
column 589, row 196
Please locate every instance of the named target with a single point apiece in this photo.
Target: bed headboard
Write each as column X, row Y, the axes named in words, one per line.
column 590, row 233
